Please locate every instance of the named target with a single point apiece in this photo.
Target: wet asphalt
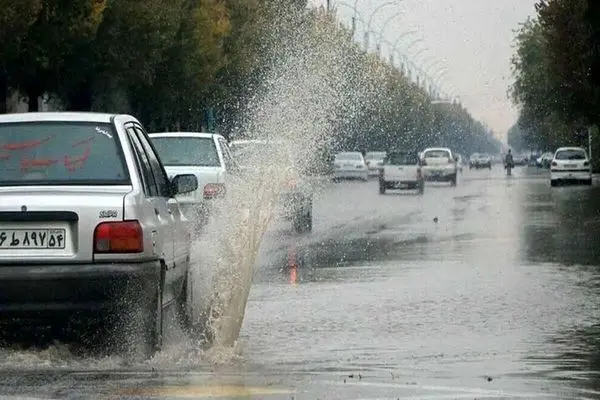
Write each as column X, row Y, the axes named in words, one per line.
column 489, row 289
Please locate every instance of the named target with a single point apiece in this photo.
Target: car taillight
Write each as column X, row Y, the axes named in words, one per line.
column 212, row 190
column 554, row 164
column 586, row 163
column 119, row 237
column 450, row 160
column 423, row 162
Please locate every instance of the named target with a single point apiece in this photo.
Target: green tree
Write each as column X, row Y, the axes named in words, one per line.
column 15, row 20
column 60, row 28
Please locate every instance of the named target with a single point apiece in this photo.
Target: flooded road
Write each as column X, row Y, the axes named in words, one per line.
column 485, row 290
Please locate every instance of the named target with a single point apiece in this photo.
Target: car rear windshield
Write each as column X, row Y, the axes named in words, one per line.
column 375, row 156
column 402, row 159
column 437, row 154
column 571, row 155
column 348, row 156
column 187, row 151
column 60, row 153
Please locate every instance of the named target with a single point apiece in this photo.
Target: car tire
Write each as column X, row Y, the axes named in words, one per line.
column 302, row 221
column 553, row 183
column 453, row 180
column 381, row 187
column 588, row 182
column 152, row 323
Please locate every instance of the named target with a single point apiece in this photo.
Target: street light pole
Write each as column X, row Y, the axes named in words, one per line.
column 375, row 11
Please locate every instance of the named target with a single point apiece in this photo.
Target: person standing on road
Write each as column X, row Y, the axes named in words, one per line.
column 509, row 162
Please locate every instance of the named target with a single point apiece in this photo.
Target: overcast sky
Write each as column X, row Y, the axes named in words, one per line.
column 472, row 39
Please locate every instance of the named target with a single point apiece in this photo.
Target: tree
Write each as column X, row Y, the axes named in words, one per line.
column 15, row 20
column 60, row 28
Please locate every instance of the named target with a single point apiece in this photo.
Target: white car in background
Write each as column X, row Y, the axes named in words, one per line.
column 439, row 165
column 401, row 170
column 350, row 165
column 570, row 164
column 374, row 160
column 207, row 156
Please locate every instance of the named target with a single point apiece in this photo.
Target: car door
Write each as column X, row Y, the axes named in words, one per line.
column 180, row 235
column 230, row 164
column 159, row 198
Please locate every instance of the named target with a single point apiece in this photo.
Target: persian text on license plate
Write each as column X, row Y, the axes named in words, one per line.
column 32, row 239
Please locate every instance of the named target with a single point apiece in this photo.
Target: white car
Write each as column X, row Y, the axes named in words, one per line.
column 570, row 164
column 439, row 165
column 401, row 170
column 90, row 229
column 296, row 198
column 374, row 160
column 207, row 156
column 350, row 165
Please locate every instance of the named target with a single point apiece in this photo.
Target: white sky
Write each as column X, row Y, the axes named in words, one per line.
column 472, row 39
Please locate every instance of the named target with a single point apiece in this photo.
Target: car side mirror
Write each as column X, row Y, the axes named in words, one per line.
column 184, row 183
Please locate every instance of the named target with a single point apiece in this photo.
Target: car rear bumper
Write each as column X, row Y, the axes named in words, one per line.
column 41, row 291
column 361, row 173
column 438, row 174
column 570, row 175
column 481, row 165
column 400, row 184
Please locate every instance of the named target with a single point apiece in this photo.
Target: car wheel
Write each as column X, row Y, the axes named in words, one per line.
column 381, row 187
column 302, row 221
column 588, row 182
column 553, row 183
column 150, row 314
column 453, row 180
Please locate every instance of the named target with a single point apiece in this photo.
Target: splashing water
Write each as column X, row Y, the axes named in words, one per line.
column 296, row 109
column 311, row 80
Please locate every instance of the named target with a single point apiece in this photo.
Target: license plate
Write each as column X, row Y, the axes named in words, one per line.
column 400, row 169
column 347, row 165
column 32, row 239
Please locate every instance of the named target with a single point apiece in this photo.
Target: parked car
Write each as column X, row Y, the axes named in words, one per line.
column 350, row 165
column 439, row 165
column 520, row 160
column 544, row 160
column 205, row 155
column 374, row 160
column 401, row 170
column 570, row 164
column 480, row 160
column 89, row 224
column 296, row 198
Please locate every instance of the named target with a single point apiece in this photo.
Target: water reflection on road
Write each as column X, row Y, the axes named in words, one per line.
column 485, row 290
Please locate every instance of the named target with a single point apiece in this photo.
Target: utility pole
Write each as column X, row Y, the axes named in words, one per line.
column 328, row 6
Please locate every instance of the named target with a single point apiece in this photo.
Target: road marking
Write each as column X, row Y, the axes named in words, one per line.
column 457, row 391
column 205, row 391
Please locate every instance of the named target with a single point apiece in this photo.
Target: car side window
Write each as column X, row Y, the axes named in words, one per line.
column 149, row 183
column 160, row 176
column 227, row 159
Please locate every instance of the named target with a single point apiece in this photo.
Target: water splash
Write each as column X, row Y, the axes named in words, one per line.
column 303, row 92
